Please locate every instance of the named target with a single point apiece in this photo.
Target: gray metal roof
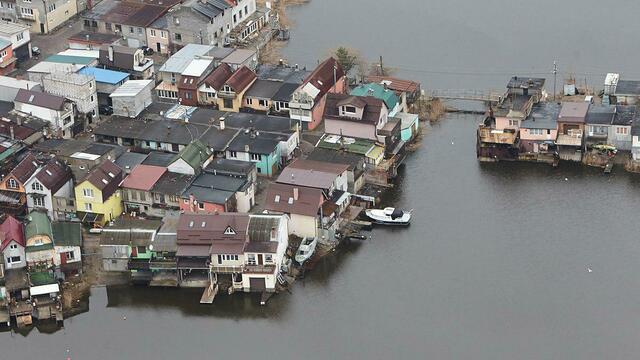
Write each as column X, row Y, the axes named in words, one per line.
column 628, row 87
column 208, row 195
column 180, row 60
column 219, row 182
column 543, row 116
column 264, row 89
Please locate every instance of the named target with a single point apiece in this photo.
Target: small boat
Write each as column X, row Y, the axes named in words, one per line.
column 306, row 249
column 389, row 216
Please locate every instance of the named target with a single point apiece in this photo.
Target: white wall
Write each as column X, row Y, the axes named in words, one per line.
column 48, row 201
column 181, row 167
column 302, row 225
column 64, row 249
column 8, row 252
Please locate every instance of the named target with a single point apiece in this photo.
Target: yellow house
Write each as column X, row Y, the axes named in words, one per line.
column 232, row 92
column 97, row 197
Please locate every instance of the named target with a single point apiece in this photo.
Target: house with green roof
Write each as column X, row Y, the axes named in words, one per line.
column 191, row 159
column 379, row 91
column 67, row 242
column 39, row 239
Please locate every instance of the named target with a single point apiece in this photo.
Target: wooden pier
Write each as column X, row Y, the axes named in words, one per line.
column 209, row 294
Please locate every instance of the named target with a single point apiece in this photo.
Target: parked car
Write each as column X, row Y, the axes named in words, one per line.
column 105, row 109
column 35, row 51
column 147, row 50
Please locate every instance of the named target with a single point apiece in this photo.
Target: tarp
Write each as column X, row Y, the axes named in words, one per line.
column 44, row 289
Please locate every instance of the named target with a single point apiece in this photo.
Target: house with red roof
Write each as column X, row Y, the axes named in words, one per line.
column 208, row 90
column 136, row 188
column 308, row 101
column 13, row 199
column 232, row 92
column 12, row 246
column 50, row 189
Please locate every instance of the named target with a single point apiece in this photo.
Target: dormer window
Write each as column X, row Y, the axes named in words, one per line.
column 229, row 231
column 227, row 88
column 349, row 109
column 12, row 184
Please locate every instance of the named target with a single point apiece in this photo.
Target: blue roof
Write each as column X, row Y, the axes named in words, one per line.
column 104, row 75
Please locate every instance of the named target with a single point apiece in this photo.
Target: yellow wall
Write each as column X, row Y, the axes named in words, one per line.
column 55, row 18
column 111, row 209
column 237, row 102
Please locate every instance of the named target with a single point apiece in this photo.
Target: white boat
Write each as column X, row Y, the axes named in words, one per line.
column 389, row 216
column 306, row 249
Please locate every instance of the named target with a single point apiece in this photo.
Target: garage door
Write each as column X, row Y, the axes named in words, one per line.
column 257, row 284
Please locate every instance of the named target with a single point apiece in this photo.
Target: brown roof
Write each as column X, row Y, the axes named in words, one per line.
column 106, row 177
column 94, row 38
column 356, row 101
column 311, row 173
column 54, row 175
column 204, row 229
column 219, row 76
column 573, row 112
column 41, row 99
column 188, row 82
column 372, row 107
column 143, row 177
column 308, row 202
column 122, row 56
column 134, row 13
column 241, row 79
column 322, row 76
column 395, row 84
column 25, row 168
column 20, row 132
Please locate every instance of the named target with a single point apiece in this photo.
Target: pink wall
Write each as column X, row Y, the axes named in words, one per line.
column 317, row 113
column 350, row 129
column 503, row 123
column 208, row 207
column 525, row 134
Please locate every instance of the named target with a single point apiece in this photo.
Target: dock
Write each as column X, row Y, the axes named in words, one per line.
column 209, row 294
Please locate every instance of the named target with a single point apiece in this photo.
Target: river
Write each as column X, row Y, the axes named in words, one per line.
column 494, row 265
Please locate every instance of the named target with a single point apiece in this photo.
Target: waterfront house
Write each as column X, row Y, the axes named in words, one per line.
column 12, row 186
column 627, row 92
column 620, row 135
column 571, row 123
column 407, row 90
column 379, row 91
column 51, row 190
column 373, row 153
column 97, row 197
column 241, row 57
column 526, row 86
column 355, row 163
column 170, row 72
column 125, row 239
column 67, row 241
column 264, row 253
column 132, row 98
column 12, row 245
column 130, row 60
column 635, row 141
column 20, row 38
column 598, row 125
column 539, row 130
column 191, row 159
column 208, row 90
column 198, row 22
column 316, row 174
column 307, row 103
column 261, row 148
column 409, row 126
column 232, row 92
column 234, row 194
column 38, row 236
column 136, row 188
column 260, row 96
column 55, row 110
column 301, row 204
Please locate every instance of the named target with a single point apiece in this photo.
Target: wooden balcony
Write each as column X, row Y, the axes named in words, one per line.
column 259, row 269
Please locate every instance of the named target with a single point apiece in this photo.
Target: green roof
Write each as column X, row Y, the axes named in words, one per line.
column 378, row 91
column 356, row 146
column 41, row 278
column 38, row 224
column 43, row 247
column 195, row 154
column 69, row 59
column 67, row 234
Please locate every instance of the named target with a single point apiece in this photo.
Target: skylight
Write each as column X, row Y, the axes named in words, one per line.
column 277, row 199
column 290, row 200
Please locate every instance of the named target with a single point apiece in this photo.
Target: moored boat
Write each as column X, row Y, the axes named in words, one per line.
column 389, row 216
column 306, row 249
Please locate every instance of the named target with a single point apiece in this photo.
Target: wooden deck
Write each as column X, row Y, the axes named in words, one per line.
column 209, row 294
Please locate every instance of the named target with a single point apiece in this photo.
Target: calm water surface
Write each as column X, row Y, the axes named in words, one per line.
column 494, row 265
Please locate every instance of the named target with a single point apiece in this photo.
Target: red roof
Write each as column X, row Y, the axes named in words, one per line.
column 25, row 168
column 143, row 177
column 241, row 79
column 281, row 198
column 394, row 84
column 322, row 77
column 219, row 76
column 12, row 230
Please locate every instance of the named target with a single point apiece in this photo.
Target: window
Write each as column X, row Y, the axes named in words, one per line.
column 235, row 19
column 91, row 98
column 87, row 193
column 139, row 30
column 52, row 7
column 118, row 28
column 27, row 1
column 163, row 34
column 26, row 11
column 9, row 5
column 251, row 259
column 186, row 201
column 12, row 184
column 107, row 26
column 141, row 249
column 37, row 186
column 227, row 103
column 153, row 32
column 246, row 9
column 219, row 259
column 536, row 132
column 268, row 258
column 262, row 102
column 66, row 120
column 187, row 95
column 513, row 122
column 131, row 29
column 256, row 157
column 240, row 13
column 70, row 255
column 88, row 207
column 14, row 259
column 249, row 101
column 38, row 202
column 350, row 109
column 177, row 37
column 13, row 246
column 232, row 154
column 201, row 206
column 622, row 130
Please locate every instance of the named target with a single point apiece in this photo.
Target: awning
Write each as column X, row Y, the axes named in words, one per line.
column 44, row 289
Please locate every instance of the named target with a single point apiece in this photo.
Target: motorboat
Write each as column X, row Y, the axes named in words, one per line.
column 389, row 216
column 306, row 249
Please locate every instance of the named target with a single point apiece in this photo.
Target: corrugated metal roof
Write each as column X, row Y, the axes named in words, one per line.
column 104, row 75
column 131, row 88
column 197, row 67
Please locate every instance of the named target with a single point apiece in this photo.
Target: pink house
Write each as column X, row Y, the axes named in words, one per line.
column 539, row 130
column 308, row 101
column 355, row 116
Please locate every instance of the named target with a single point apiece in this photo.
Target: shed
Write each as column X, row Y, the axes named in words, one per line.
column 132, row 97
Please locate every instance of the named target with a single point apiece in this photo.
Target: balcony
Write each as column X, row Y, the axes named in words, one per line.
column 22, row 15
column 227, row 94
column 139, row 264
column 259, row 269
column 163, row 264
column 494, row 136
column 226, row 269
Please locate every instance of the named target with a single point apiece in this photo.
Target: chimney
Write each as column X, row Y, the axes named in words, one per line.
column 297, row 67
column 273, row 233
column 246, row 148
column 222, row 123
column 110, row 53
column 295, row 193
column 13, row 136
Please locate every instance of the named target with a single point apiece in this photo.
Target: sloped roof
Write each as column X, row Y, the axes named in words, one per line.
column 322, row 77
column 194, row 154
column 40, row 99
column 23, row 171
column 54, row 175
column 278, row 197
column 378, row 91
column 219, row 76
column 241, row 78
column 372, row 107
column 395, row 84
column 264, row 89
column 12, row 230
column 67, row 233
column 38, row 223
column 204, row 229
column 310, row 173
column 143, row 177
column 106, row 177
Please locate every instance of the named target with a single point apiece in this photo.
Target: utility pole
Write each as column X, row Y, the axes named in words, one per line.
column 555, row 74
column 381, row 68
